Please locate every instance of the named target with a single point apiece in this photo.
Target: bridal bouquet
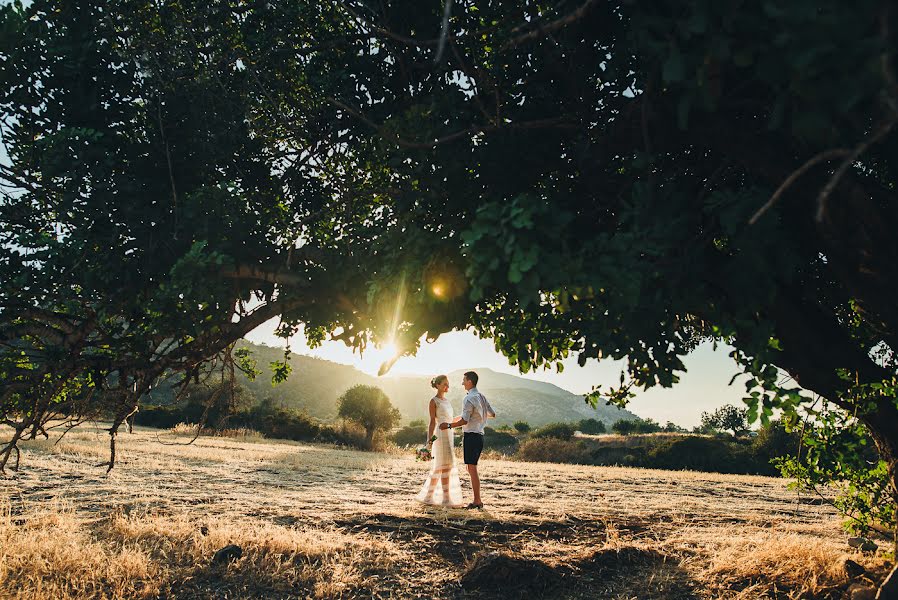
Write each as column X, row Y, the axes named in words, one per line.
column 424, row 452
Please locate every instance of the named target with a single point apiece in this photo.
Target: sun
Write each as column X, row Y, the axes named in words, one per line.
column 375, row 356
column 390, row 349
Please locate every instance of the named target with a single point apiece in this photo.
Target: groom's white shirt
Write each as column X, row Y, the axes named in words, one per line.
column 474, row 411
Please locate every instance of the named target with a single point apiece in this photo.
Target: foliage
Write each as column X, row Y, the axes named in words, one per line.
column 410, row 435
column 522, row 426
column 561, row 431
column 727, row 418
column 498, row 440
column 591, row 426
column 720, row 171
column 553, row 449
column 369, row 407
column 630, row 426
column 671, row 427
column 701, row 454
column 836, row 449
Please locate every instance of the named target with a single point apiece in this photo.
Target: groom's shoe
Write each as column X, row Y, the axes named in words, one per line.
column 473, row 505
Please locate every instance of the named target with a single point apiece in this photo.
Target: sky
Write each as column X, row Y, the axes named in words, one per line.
column 704, row 387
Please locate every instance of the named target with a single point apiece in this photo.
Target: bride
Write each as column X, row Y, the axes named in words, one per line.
column 442, row 486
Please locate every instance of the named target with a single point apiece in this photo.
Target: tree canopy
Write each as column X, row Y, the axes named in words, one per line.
column 368, row 406
column 615, row 180
column 726, row 418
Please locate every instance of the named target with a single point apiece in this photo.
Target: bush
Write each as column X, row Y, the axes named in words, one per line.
column 554, row 450
column 773, row 441
column 522, row 426
column 591, row 426
column 671, row 427
column 628, row 426
column 561, row 431
column 279, row 422
column 495, row 439
column 410, row 435
column 701, row 454
column 418, row 423
column 353, row 435
column 162, row 417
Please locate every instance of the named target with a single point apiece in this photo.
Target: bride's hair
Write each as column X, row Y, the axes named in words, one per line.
column 437, row 381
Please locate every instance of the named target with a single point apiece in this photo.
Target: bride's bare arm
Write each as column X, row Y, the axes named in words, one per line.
column 433, row 420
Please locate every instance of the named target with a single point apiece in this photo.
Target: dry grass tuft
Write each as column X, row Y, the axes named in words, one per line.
column 760, row 563
column 55, row 554
column 51, row 554
column 243, row 433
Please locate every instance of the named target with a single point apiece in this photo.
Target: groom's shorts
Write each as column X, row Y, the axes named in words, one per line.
column 473, row 446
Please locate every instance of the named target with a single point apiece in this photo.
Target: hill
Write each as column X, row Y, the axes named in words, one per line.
column 315, row 384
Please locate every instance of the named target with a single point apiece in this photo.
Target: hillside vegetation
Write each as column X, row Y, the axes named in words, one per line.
column 315, row 384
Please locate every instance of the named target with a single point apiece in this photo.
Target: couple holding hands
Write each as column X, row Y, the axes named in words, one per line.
column 442, row 487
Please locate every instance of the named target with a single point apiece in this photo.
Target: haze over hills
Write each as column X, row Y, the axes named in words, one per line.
column 315, row 384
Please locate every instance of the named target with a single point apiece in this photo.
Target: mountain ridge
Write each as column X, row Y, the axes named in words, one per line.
column 315, row 384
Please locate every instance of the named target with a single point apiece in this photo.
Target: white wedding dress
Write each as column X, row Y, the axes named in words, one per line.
column 442, row 487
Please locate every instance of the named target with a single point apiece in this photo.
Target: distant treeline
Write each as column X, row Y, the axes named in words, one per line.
column 634, row 442
column 640, row 443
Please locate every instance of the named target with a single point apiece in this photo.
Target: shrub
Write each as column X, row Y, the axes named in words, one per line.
column 522, row 426
column 773, row 441
column 279, row 422
column 561, row 431
column 701, row 454
column 628, row 426
column 421, row 423
column 554, row 450
column 410, row 435
column 671, row 427
column 353, row 435
column 498, row 439
column 591, row 426
column 163, row 417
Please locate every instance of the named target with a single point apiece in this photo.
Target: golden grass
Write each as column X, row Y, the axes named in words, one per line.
column 54, row 553
column 325, row 522
column 243, row 433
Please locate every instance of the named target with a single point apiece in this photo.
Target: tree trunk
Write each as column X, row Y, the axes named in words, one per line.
column 369, row 437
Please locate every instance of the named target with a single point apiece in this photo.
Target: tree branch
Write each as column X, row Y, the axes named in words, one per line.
column 796, row 174
column 556, row 122
column 550, row 27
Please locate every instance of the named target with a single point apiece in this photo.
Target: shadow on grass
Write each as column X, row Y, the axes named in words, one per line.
column 489, row 554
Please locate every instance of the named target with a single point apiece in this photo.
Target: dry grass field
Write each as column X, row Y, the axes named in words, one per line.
column 316, row 521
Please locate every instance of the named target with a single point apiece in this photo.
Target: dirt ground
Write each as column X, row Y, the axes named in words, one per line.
column 318, row 521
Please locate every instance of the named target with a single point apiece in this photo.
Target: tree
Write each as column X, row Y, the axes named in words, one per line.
column 591, row 426
column 671, row 427
column 681, row 175
column 628, row 426
column 562, row 431
column 717, row 172
column 173, row 182
column 522, row 426
column 368, row 406
column 727, row 418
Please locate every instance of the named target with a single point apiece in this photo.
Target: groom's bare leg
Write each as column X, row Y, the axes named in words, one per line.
column 475, row 483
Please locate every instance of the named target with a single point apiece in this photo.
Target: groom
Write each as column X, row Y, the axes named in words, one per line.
column 475, row 411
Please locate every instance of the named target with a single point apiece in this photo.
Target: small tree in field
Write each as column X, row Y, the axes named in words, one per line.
column 591, row 426
column 522, row 426
column 370, row 407
column 727, row 418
